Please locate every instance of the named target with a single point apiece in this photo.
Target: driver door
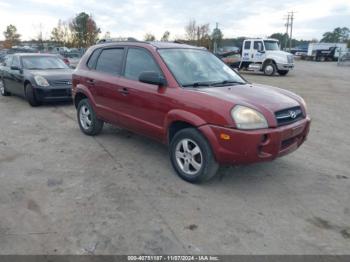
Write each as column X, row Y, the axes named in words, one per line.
column 15, row 77
column 258, row 52
column 144, row 106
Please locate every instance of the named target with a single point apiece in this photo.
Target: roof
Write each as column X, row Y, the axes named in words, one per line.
column 156, row 44
column 263, row 39
column 33, row 54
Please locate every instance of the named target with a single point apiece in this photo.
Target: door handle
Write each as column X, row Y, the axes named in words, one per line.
column 124, row 91
column 91, row 81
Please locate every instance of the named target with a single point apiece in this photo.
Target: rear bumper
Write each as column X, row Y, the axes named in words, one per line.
column 53, row 94
column 285, row 66
column 245, row 147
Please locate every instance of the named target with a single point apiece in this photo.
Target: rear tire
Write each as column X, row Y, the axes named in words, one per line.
column 88, row 122
column 3, row 89
column 30, row 96
column 282, row 72
column 269, row 69
column 192, row 157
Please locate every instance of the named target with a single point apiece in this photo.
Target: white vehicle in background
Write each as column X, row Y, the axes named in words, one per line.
column 265, row 55
column 260, row 55
column 324, row 51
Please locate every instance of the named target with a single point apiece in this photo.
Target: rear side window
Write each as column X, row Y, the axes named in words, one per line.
column 8, row 61
column 138, row 61
column 15, row 61
column 247, row 45
column 110, row 61
column 92, row 60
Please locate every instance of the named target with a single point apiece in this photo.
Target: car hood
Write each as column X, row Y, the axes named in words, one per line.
column 53, row 74
column 260, row 97
column 278, row 52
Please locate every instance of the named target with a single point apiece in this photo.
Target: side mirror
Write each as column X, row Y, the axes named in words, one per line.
column 15, row 68
column 152, row 78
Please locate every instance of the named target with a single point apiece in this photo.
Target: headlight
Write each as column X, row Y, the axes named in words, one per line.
column 248, row 118
column 41, row 81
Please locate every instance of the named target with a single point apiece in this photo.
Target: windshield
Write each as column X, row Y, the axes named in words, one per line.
column 43, row 62
column 193, row 67
column 271, row 45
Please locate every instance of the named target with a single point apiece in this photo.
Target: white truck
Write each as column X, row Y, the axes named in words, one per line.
column 261, row 55
column 265, row 55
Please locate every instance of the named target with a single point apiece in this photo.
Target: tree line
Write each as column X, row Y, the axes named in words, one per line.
column 82, row 31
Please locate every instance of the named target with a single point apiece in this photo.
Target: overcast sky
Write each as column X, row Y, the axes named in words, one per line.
column 135, row 18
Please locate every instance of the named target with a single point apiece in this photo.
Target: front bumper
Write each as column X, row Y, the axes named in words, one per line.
column 53, row 93
column 245, row 147
column 288, row 66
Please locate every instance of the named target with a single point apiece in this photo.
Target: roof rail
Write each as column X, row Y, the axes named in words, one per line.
column 119, row 39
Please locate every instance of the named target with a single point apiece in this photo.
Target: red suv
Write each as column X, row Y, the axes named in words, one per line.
column 188, row 98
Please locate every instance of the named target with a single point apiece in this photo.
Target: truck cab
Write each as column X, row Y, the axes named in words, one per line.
column 265, row 55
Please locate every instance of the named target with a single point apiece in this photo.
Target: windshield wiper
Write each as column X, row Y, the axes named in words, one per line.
column 227, row 82
column 197, row 84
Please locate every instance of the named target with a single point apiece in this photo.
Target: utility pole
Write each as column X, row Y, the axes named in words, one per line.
column 215, row 49
column 287, row 31
column 291, row 29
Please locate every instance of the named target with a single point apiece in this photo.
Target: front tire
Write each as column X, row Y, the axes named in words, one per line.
column 282, row 72
column 88, row 122
column 192, row 157
column 269, row 69
column 3, row 89
column 30, row 96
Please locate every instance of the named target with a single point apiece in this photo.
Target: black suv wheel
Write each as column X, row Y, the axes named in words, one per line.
column 3, row 88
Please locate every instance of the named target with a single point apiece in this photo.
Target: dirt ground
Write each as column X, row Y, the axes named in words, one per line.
column 62, row 192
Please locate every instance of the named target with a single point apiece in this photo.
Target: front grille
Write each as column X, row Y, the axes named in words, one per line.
column 290, row 59
column 288, row 116
column 60, row 93
column 66, row 82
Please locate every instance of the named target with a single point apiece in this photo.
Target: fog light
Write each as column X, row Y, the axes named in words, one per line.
column 225, row 136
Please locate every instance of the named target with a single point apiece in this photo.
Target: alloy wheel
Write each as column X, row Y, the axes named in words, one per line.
column 189, row 156
column 85, row 117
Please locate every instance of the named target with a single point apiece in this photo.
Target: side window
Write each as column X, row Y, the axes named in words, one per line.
column 247, row 45
column 8, row 61
column 110, row 61
column 15, row 62
column 258, row 45
column 138, row 61
column 92, row 60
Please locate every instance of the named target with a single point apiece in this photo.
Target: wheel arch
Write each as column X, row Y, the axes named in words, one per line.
column 267, row 61
column 78, row 97
column 179, row 119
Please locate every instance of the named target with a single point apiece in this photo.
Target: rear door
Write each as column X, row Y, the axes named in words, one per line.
column 246, row 53
column 6, row 73
column 103, row 82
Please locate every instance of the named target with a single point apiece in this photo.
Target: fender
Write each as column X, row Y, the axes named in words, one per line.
column 84, row 90
column 183, row 116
